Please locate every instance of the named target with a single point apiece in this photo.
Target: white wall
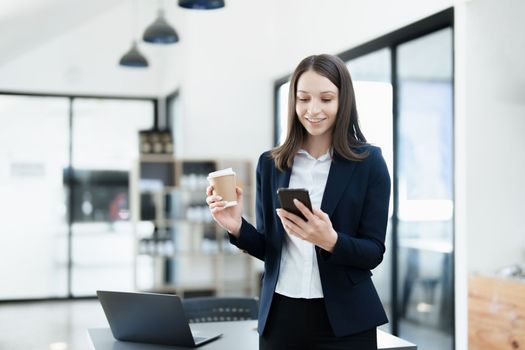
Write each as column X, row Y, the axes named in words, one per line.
column 495, row 134
column 490, row 126
column 226, row 91
column 234, row 57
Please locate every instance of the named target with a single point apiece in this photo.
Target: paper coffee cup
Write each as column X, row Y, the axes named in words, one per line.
column 223, row 182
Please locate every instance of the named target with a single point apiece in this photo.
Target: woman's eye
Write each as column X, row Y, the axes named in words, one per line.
column 302, row 99
column 326, row 100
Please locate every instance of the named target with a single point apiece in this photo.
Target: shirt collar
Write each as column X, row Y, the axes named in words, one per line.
column 324, row 157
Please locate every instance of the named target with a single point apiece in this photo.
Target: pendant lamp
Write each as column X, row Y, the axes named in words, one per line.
column 201, row 4
column 133, row 58
column 160, row 32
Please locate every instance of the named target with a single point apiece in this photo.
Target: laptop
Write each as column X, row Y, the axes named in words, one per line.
column 150, row 318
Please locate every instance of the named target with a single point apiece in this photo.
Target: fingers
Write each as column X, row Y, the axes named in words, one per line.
column 217, row 209
column 314, row 230
column 213, row 199
column 219, row 204
column 321, row 214
column 306, row 212
column 239, row 193
column 290, row 216
column 210, row 198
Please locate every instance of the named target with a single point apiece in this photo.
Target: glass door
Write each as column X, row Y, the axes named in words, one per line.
column 425, row 198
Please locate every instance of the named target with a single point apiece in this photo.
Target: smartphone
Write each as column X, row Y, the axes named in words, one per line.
column 287, row 195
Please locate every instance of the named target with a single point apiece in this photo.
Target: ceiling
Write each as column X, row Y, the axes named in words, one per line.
column 26, row 24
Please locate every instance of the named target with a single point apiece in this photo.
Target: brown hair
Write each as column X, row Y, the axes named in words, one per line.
column 346, row 134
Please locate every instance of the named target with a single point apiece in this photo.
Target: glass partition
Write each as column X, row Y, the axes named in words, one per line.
column 33, row 236
column 105, row 147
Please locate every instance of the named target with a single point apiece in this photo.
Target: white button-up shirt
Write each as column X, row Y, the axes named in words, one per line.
column 299, row 272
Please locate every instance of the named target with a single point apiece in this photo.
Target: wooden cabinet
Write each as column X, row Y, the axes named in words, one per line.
column 496, row 313
column 179, row 248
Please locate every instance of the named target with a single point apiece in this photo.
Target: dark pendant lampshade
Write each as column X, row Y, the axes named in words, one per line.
column 201, row 4
column 133, row 58
column 160, row 32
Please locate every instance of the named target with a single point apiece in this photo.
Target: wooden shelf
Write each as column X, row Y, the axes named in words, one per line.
column 496, row 313
column 157, row 158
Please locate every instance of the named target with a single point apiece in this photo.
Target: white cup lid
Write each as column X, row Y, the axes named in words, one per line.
column 222, row 172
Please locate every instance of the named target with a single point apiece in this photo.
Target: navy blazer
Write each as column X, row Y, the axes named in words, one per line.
column 356, row 199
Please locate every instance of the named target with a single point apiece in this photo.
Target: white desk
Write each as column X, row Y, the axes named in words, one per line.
column 235, row 335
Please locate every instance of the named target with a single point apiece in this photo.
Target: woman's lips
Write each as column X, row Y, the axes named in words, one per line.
column 315, row 121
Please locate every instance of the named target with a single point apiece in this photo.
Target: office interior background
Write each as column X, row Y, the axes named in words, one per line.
column 440, row 87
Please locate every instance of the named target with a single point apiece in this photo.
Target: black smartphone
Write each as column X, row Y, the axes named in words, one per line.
column 287, row 195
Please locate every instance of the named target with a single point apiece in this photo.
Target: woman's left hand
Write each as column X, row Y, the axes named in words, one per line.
column 317, row 230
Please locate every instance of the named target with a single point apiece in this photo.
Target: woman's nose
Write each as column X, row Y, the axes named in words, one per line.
column 313, row 107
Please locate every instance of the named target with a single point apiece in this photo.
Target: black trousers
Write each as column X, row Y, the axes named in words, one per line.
column 303, row 324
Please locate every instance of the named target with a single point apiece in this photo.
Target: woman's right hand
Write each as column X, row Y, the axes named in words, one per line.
column 228, row 218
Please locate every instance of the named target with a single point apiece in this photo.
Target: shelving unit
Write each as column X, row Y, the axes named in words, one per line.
column 179, row 248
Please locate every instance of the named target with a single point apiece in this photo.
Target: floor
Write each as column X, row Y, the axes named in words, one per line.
column 62, row 325
column 54, row 325
column 426, row 338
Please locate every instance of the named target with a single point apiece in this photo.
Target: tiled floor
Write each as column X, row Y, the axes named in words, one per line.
column 54, row 325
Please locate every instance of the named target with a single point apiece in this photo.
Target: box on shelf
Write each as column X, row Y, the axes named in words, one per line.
column 155, row 142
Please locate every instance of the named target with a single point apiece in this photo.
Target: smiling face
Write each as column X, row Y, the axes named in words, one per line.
column 322, row 113
column 316, row 104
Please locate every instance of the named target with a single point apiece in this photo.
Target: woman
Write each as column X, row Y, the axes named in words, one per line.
column 317, row 292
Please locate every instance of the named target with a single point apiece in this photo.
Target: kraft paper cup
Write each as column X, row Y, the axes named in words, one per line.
column 224, row 183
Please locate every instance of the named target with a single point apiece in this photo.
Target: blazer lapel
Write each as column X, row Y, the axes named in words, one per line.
column 341, row 171
column 281, row 179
